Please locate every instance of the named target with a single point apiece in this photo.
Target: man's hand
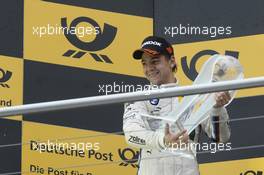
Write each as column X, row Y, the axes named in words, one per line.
column 222, row 98
column 174, row 140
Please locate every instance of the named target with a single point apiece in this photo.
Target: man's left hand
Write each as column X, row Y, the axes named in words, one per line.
column 221, row 98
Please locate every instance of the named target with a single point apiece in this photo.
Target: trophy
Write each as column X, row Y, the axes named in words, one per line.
column 194, row 109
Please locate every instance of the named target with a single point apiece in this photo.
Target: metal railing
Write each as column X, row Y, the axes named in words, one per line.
column 131, row 96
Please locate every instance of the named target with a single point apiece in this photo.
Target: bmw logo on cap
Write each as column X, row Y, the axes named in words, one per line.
column 154, row 101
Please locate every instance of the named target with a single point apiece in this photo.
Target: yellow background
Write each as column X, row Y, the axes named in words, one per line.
column 15, row 92
column 130, row 32
column 107, row 143
column 232, row 167
column 251, row 54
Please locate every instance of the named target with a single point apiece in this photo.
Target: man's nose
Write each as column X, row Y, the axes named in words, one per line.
column 150, row 67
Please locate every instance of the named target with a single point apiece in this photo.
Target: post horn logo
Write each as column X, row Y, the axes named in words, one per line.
column 191, row 71
column 128, row 161
column 4, row 77
column 251, row 172
column 102, row 40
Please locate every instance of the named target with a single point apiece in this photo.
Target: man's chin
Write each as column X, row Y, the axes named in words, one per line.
column 155, row 82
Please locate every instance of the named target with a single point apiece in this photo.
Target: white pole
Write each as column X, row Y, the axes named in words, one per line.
column 132, row 96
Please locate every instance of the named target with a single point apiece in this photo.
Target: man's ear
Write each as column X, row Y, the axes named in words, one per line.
column 173, row 63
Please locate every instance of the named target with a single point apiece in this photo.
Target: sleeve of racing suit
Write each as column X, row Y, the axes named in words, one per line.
column 217, row 125
column 135, row 128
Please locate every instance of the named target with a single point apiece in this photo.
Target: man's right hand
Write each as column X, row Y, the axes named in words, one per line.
column 174, row 140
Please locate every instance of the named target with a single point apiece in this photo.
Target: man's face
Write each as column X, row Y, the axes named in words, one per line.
column 158, row 69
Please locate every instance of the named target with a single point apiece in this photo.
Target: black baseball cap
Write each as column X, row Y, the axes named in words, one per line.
column 154, row 46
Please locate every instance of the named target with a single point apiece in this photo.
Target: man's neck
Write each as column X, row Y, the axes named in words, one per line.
column 170, row 81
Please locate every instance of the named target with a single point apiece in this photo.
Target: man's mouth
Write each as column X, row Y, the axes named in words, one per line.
column 153, row 74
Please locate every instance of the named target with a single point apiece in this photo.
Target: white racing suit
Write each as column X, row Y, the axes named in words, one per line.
column 148, row 135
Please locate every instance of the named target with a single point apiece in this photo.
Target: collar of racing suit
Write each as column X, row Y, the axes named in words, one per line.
column 167, row 85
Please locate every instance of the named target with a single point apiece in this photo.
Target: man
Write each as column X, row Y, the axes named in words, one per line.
column 153, row 136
